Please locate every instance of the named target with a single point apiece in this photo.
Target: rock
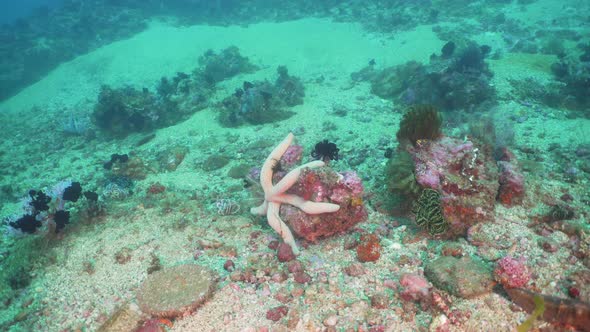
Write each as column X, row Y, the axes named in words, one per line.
column 239, row 171
column 175, row 291
column 301, row 277
column 294, row 266
column 415, row 287
column 355, row 270
column 465, row 175
column 285, row 252
column 325, row 185
column 511, row 191
column 127, row 318
column 229, row 265
column 214, row 162
column 369, row 248
column 331, row 321
column 276, row 313
column 463, row 277
column 171, row 158
column 512, row 272
column 380, row 301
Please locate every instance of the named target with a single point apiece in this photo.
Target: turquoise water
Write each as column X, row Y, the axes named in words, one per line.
column 12, row 10
column 319, row 166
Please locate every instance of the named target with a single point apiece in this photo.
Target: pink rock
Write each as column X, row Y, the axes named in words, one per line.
column 285, row 252
column 415, row 287
column 276, row 313
column 389, row 283
column 294, row 266
column 279, row 277
column 325, row 185
column 355, row 270
column 466, row 176
column 301, row 277
column 512, row 272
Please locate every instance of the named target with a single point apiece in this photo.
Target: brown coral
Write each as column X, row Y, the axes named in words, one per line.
column 175, row 291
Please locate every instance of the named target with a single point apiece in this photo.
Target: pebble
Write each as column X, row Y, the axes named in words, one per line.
column 276, row 313
column 355, row 269
column 285, row 253
column 331, row 320
column 302, row 277
column 380, row 301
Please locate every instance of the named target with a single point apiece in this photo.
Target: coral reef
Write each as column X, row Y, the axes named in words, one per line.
column 262, row 102
column 126, row 110
column 215, row 68
column 575, row 76
column 465, row 175
column 192, row 91
column 41, row 209
column 457, row 81
column 34, row 45
column 289, row 88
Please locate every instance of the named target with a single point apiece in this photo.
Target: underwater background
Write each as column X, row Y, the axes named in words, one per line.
column 376, row 165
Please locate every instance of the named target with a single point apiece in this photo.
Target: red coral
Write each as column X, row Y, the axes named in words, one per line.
column 276, row 313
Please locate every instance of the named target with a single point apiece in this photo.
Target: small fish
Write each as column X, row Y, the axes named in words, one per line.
column 372, row 62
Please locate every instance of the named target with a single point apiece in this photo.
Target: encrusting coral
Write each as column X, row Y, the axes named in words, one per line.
column 274, row 195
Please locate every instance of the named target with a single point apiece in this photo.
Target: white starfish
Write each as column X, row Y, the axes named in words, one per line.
column 275, row 195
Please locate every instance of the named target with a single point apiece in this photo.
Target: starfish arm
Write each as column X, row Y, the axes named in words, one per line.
column 261, row 209
column 280, row 227
column 308, row 207
column 274, row 156
column 290, row 178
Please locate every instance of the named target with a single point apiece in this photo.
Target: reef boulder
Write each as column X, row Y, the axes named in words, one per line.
column 465, row 175
column 175, row 291
column 325, row 185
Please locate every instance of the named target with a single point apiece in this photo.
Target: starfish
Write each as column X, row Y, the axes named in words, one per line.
column 274, row 195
